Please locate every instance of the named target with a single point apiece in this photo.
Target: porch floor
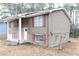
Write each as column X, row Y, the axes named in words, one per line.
column 71, row 48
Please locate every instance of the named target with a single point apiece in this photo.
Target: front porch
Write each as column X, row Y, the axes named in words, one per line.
column 18, row 30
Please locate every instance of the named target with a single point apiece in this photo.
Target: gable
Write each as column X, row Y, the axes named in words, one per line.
column 58, row 22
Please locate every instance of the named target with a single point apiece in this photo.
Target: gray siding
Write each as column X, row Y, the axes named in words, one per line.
column 58, row 22
column 59, row 28
column 58, row 38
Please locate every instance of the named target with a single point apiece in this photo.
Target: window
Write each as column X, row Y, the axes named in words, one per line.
column 38, row 21
column 65, row 37
column 56, row 38
column 38, row 38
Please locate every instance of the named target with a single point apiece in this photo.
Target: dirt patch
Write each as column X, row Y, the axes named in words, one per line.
column 71, row 48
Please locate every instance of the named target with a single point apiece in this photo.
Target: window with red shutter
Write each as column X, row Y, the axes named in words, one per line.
column 32, row 21
column 39, row 21
column 44, row 21
column 44, row 39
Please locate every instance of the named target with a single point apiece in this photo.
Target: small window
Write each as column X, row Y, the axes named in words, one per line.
column 38, row 21
column 38, row 38
column 65, row 37
column 56, row 38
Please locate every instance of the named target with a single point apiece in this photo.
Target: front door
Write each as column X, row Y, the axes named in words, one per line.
column 25, row 34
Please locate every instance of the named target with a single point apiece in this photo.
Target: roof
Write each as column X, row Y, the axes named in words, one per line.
column 31, row 14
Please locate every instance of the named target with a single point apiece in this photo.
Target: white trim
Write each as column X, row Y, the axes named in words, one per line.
column 20, row 38
column 7, row 30
column 25, row 33
column 38, row 21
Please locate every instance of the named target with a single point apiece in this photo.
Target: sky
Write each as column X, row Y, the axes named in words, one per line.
column 58, row 4
column 39, row 1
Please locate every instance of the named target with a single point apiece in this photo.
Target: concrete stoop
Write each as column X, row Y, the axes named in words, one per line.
column 9, row 43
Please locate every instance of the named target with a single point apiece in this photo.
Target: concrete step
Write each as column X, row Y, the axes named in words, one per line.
column 9, row 43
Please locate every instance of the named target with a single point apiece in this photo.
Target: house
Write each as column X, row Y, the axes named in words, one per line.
column 3, row 29
column 47, row 28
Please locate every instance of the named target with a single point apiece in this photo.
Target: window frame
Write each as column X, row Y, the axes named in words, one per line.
column 36, row 40
column 38, row 22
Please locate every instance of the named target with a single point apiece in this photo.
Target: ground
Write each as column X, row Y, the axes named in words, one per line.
column 69, row 49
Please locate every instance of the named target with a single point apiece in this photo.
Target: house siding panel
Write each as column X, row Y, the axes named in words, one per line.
column 58, row 26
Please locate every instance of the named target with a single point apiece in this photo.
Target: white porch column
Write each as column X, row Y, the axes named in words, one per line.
column 20, row 37
column 7, row 29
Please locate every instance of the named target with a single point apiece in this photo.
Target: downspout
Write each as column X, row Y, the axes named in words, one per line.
column 7, row 29
column 48, row 30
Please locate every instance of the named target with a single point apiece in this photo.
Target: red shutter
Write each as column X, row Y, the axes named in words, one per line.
column 44, row 21
column 32, row 21
column 33, row 38
column 44, row 39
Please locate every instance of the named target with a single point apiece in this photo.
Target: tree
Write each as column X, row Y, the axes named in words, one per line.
column 70, row 8
column 51, row 6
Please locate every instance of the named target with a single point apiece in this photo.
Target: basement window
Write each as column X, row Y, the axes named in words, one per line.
column 56, row 38
column 38, row 38
column 65, row 37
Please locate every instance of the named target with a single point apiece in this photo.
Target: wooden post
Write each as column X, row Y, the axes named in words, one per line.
column 20, row 38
